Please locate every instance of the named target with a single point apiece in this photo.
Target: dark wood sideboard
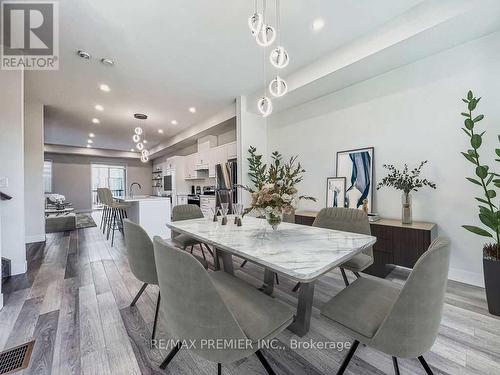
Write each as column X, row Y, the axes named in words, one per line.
column 397, row 244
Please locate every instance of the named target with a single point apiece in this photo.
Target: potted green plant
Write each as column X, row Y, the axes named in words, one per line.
column 489, row 213
column 406, row 181
column 275, row 191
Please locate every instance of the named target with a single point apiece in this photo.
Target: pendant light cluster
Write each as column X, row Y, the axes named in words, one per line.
column 139, row 142
column 265, row 35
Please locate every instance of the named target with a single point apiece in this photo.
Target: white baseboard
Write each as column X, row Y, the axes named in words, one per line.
column 35, row 238
column 466, row 277
column 1, row 301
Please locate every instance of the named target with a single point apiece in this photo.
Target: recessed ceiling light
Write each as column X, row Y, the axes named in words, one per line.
column 132, row 150
column 104, row 87
column 107, row 62
column 144, row 141
column 89, row 146
column 318, row 24
column 95, row 120
column 140, row 116
column 90, row 141
column 91, row 135
column 99, row 107
column 173, row 122
column 83, row 55
column 192, row 109
column 160, row 131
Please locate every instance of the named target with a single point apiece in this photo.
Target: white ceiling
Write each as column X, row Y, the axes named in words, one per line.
column 171, row 55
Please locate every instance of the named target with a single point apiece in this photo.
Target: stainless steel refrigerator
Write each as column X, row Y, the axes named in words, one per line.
column 226, row 179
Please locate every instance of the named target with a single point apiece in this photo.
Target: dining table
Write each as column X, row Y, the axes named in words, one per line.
column 298, row 252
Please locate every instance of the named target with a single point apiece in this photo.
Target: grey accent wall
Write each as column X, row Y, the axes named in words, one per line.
column 72, row 176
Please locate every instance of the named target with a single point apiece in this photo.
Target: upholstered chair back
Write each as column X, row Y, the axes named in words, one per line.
column 186, row 212
column 192, row 306
column 346, row 220
column 416, row 314
column 140, row 252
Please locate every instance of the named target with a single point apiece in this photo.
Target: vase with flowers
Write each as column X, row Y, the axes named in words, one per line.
column 274, row 192
column 406, row 181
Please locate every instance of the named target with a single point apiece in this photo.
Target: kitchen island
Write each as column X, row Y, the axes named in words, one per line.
column 151, row 212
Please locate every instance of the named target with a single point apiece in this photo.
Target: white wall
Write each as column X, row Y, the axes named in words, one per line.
column 408, row 115
column 12, row 167
column 33, row 172
column 251, row 130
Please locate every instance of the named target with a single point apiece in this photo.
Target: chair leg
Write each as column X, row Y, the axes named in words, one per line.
column 243, row 264
column 396, row 366
column 208, row 249
column 264, row 362
column 170, row 356
column 203, row 252
column 425, row 366
column 356, row 274
column 277, row 280
column 219, row 369
column 139, row 294
column 113, row 227
column 296, row 287
column 191, row 249
column 344, row 276
column 348, row 358
column 156, row 317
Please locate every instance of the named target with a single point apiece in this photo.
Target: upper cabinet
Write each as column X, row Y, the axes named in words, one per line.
column 232, row 150
column 202, row 164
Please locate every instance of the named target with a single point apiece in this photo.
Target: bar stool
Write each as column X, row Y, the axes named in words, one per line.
column 116, row 212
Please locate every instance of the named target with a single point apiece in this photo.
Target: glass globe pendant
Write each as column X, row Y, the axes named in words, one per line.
column 139, row 146
column 278, row 87
column 255, row 23
column 279, row 57
column 265, row 106
column 144, row 158
column 145, row 152
column 136, row 138
column 266, row 36
column 138, row 130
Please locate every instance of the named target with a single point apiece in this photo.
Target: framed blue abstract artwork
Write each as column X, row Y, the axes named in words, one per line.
column 357, row 167
column 335, row 192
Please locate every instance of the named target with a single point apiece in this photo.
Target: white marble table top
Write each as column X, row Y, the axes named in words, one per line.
column 301, row 252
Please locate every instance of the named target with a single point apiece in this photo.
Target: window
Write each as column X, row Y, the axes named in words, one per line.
column 108, row 176
column 47, row 176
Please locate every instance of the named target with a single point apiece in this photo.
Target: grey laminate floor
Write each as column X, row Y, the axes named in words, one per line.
column 75, row 298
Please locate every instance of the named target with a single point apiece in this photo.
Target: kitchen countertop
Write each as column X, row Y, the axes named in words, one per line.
column 140, row 198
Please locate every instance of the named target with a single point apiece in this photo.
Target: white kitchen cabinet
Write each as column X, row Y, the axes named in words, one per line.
column 232, row 150
column 207, row 204
column 182, row 199
column 217, row 156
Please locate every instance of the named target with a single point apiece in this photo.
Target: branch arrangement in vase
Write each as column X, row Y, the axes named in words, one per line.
column 275, row 189
column 406, row 181
column 489, row 181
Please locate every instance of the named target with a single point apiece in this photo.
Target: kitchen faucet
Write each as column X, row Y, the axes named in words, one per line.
column 131, row 185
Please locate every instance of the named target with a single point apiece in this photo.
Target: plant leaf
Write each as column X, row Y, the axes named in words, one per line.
column 491, row 194
column 481, row 171
column 474, row 181
column 478, row 118
column 469, row 124
column 470, row 95
column 469, row 158
column 476, row 141
column 465, row 114
column 497, row 151
column 477, row 230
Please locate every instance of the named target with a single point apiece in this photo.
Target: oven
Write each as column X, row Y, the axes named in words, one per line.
column 193, row 199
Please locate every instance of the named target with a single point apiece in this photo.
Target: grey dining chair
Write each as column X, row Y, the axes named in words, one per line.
column 141, row 260
column 401, row 322
column 187, row 212
column 347, row 220
column 205, row 307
